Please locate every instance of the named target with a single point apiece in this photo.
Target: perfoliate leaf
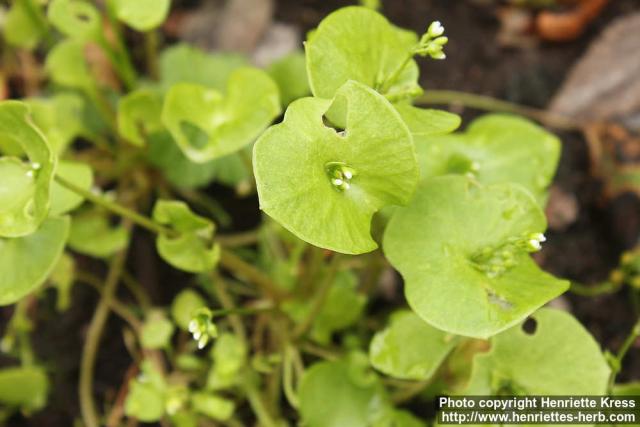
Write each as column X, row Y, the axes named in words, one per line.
column 462, row 249
column 64, row 200
column 207, row 124
column 494, row 149
column 559, row 358
column 92, row 234
column 409, row 348
column 324, row 185
column 67, row 66
column 139, row 116
column 147, row 395
column 192, row 248
column 184, row 306
column 26, row 262
column 75, row 18
column 60, row 118
column 186, row 64
column 356, row 43
column 423, row 123
column 290, row 74
column 156, row 331
column 142, row 15
column 24, row 24
column 24, row 387
column 24, row 186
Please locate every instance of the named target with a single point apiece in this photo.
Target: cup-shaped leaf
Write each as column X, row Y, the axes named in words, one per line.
column 191, row 248
column 356, row 43
column 24, row 24
column 75, row 18
column 25, row 387
column 559, row 357
column 156, row 331
column 67, row 66
column 142, row 15
column 139, row 115
column 93, row 234
column 495, row 148
column 60, row 118
column 324, row 185
column 64, row 200
column 24, row 186
column 26, row 262
column 463, row 251
column 409, row 348
column 207, row 124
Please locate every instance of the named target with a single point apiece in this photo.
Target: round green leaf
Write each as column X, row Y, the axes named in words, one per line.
column 184, row 305
column 559, row 358
column 206, row 124
column 67, row 66
column 64, row 200
column 26, row 262
column 92, row 234
column 24, row 24
column 24, row 187
column 192, row 248
column 229, row 356
column 495, row 149
column 356, row 43
column 75, row 18
column 146, row 400
column 139, row 116
column 409, row 348
column 462, row 250
column 290, row 74
column 142, row 15
column 424, row 123
column 325, row 185
column 24, row 387
column 59, row 118
column 156, row 331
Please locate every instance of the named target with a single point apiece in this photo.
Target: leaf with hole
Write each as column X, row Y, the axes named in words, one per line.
column 93, row 234
column 142, row 15
column 409, row 348
column 463, row 251
column 323, row 184
column 494, row 149
column 77, row 19
column 24, row 185
column 192, row 247
column 139, row 116
column 26, row 262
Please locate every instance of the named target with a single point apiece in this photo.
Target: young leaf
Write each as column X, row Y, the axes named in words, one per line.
column 147, row 395
column 462, row 249
column 24, row 186
column 139, row 116
column 324, row 186
column 67, row 66
column 290, row 74
column 156, row 332
column 206, row 124
column 142, row 15
column 409, row 348
column 559, row 358
column 24, row 387
column 423, row 123
column 75, row 18
column 356, row 43
column 192, row 248
column 215, row 407
column 26, row 262
column 229, row 356
column 92, row 234
column 64, row 200
column 495, row 149
column 60, row 118
column 24, row 24
column 184, row 306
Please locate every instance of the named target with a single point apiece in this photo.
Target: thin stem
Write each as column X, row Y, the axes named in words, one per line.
column 229, row 307
column 287, row 377
column 116, row 208
column 151, row 41
column 628, row 342
column 90, row 350
column 136, row 290
column 257, row 405
column 241, row 268
column 388, row 81
column 238, row 239
column 592, row 291
column 488, row 103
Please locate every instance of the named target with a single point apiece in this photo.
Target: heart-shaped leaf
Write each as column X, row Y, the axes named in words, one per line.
column 142, row 15
column 67, row 66
column 24, row 24
column 24, row 186
column 26, row 262
column 93, row 234
column 24, row 387
column 495, row 148
column 192, row 248
column 64, row 200
column 139, row 115
column 559, row 358
column 462, row 249
column 206, row 124
column 409, row 348
column 325, row 185
column 356, row 43
column 75, row 18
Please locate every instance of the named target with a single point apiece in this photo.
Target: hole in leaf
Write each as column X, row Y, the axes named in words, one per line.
column 529, row 326
column 197, row 137
column 328, row 123
column 83, row 17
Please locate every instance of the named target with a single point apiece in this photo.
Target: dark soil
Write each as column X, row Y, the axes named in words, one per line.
column 585, row 252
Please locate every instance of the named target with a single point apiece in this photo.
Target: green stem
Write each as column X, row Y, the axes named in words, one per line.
column 257, row 405
column 92, row 341
column 116, row 208
column 591, row 291
column 151, row 41
column 481, row 102
column 241, row 268
column 287, row 377
column 389, row 80
column 628, row 342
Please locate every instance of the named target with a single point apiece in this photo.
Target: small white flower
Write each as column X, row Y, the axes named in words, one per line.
column 435, row 29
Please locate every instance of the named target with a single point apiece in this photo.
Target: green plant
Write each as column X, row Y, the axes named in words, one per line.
column 354, row 169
